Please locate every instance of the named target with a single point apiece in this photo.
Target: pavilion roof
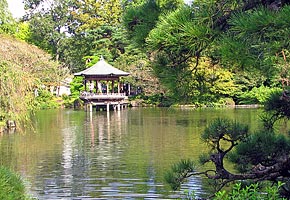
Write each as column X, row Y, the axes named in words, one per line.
column 102, row 68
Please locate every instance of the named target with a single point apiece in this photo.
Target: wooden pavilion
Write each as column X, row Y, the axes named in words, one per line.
column 103, row 88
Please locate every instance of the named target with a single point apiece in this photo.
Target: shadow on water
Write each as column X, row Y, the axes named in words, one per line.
column 110, row 155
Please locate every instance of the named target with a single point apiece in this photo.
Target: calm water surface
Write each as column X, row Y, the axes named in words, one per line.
column 117, row 155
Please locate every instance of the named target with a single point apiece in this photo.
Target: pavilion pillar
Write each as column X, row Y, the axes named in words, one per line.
column 107, row 87
column 112, row 86
column 91, row 87
column 118, row 87
column 85, row 85
column 108, row 107
column 90, row 107
column 96, row 86
column 119, row 106
column 99, row 86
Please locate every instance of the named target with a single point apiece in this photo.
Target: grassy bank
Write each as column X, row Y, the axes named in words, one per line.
column 11, row 185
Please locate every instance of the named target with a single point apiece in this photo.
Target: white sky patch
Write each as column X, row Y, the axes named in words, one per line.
column 188, row 2
column 16, row 7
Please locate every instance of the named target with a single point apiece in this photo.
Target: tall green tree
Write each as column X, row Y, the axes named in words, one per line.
column 234, row 35
column 90, row 14
column 258, row 40
column 72, row 30
column 48, row 24
column 7, row 23
column 175, row 44
column 229, row 33
column 139, row 23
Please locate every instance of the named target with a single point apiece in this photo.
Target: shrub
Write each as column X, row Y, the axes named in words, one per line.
column 257, row 95
column 45, row 100
column 250, row 192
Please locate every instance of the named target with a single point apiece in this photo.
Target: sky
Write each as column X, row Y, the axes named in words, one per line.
column 16, row 7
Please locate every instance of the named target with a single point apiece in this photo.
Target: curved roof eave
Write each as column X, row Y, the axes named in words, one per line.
column 101, row 68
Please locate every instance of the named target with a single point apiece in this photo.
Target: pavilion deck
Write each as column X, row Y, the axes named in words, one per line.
column 105, row 101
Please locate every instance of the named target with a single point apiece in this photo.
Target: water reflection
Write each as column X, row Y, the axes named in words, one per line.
column 110, row 155
column 105, row 125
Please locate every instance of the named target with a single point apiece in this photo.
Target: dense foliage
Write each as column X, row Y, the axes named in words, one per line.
column 217, row 52
column 233, row 35
column 24, row 69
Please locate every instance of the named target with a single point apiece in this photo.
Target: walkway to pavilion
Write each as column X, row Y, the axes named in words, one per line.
column 103, row 88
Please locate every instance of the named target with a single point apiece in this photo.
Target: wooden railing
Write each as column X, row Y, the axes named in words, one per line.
column 100, row 96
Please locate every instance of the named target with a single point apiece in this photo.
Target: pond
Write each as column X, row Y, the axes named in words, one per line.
column 111, row 155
